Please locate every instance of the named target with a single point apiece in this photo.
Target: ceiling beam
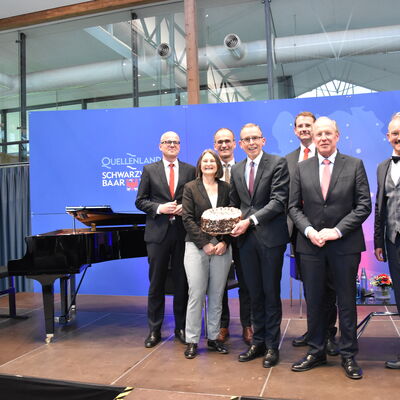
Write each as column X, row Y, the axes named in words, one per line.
column 75, row 10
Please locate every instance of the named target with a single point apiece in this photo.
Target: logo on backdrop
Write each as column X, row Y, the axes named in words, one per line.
column 124, row 171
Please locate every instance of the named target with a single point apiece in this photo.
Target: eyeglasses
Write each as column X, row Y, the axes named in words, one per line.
column 251, row 138
column 221, row 142
column 171, row 142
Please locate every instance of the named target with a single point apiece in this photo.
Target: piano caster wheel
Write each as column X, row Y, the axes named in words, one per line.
column 49, row 336
column 73, row 308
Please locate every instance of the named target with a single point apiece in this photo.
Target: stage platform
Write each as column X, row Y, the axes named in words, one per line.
column 104, row 345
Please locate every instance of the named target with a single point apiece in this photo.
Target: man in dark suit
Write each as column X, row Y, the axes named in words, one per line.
column 259, row 187
column 387, row 220
column 224, row 144
column 329, row 201
column 303, row 124
column 160, row 197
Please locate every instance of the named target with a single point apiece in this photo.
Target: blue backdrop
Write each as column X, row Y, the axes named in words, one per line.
column 95, row 157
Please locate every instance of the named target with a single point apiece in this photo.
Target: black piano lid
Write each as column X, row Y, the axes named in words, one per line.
column 104, row 216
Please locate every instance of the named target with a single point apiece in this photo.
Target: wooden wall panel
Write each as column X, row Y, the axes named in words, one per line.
column 75, row 10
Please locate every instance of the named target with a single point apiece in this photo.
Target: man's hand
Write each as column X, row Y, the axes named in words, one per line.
column 315, row 238
column 178, row 210
column 168, row 208
column 329, row 234
column 241, row 227
column 379, row 254
column 209, row 249
column 220, row 248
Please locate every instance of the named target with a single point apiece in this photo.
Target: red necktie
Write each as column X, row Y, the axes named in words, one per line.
column 326, row 178
column 171, row 180
column 306, row 151
column 251, row 178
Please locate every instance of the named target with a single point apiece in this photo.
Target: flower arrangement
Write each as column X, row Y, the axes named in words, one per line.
column 381, row 280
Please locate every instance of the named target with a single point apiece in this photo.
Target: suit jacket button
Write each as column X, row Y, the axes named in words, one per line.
column 325, row 206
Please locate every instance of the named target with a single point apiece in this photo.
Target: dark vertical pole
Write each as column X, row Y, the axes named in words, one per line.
column 270, row 61
column 22, row 156
column 135, row 67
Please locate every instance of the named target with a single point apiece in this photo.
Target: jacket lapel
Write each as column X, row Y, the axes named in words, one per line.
column 260, row 170
column 381, row 180
column 203, row 192
column 163, row 177
column 242, row 176
column 315, row 176
column 336, row 171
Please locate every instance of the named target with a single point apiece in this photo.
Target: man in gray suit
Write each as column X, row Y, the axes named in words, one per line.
column 160, row 197
column 259, row 187
column 387, row 219
column 329, row 201
column 303, row 124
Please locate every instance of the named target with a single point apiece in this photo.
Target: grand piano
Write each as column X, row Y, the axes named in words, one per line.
column 63, row 253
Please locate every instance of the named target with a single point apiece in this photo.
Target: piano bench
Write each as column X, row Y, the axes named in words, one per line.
column 12, row 309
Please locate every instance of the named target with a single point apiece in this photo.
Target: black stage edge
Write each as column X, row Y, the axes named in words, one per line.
column 27, row 388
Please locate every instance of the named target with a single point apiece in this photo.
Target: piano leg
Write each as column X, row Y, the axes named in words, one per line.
column 47, row 282
column 64, row 294
column 72, row 292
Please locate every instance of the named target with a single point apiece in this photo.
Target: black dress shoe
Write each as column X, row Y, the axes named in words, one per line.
column 254, row 351
column 191, row 350
column 393, row 364
column 217, row 346
column 300, row 341
column 308, row 362
column 153, row 339
column 180, row 335
column 351, row 368
column 271, row 358
column 331, row 347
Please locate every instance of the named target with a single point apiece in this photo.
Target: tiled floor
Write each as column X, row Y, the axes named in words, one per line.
column 104, row 345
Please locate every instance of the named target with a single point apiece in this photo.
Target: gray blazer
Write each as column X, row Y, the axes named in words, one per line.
column 269, row 200
column 153, row 191
column 347, row 205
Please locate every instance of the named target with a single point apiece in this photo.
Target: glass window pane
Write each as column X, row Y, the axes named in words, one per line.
column 337, row 47
column 231, row 38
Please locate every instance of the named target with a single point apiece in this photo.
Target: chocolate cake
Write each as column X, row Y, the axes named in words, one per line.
column 220, row 220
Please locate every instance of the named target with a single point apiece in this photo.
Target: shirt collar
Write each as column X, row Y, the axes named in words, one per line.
column 256, row 160
column 331, row 158
column 311, row 147
column 166, row 163
column 230, row 163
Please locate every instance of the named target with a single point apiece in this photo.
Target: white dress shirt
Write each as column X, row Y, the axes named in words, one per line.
column 310, row 154
column 395, row 170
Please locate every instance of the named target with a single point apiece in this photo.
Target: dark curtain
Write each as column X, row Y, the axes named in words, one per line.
column 15, row 222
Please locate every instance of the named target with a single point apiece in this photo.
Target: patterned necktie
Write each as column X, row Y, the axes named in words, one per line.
column 326, row 178
column 306, row 151
column 227, row 173
column 171, row 180
column 251, row 178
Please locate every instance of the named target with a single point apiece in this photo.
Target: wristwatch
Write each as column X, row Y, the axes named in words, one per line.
column 252, row 224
